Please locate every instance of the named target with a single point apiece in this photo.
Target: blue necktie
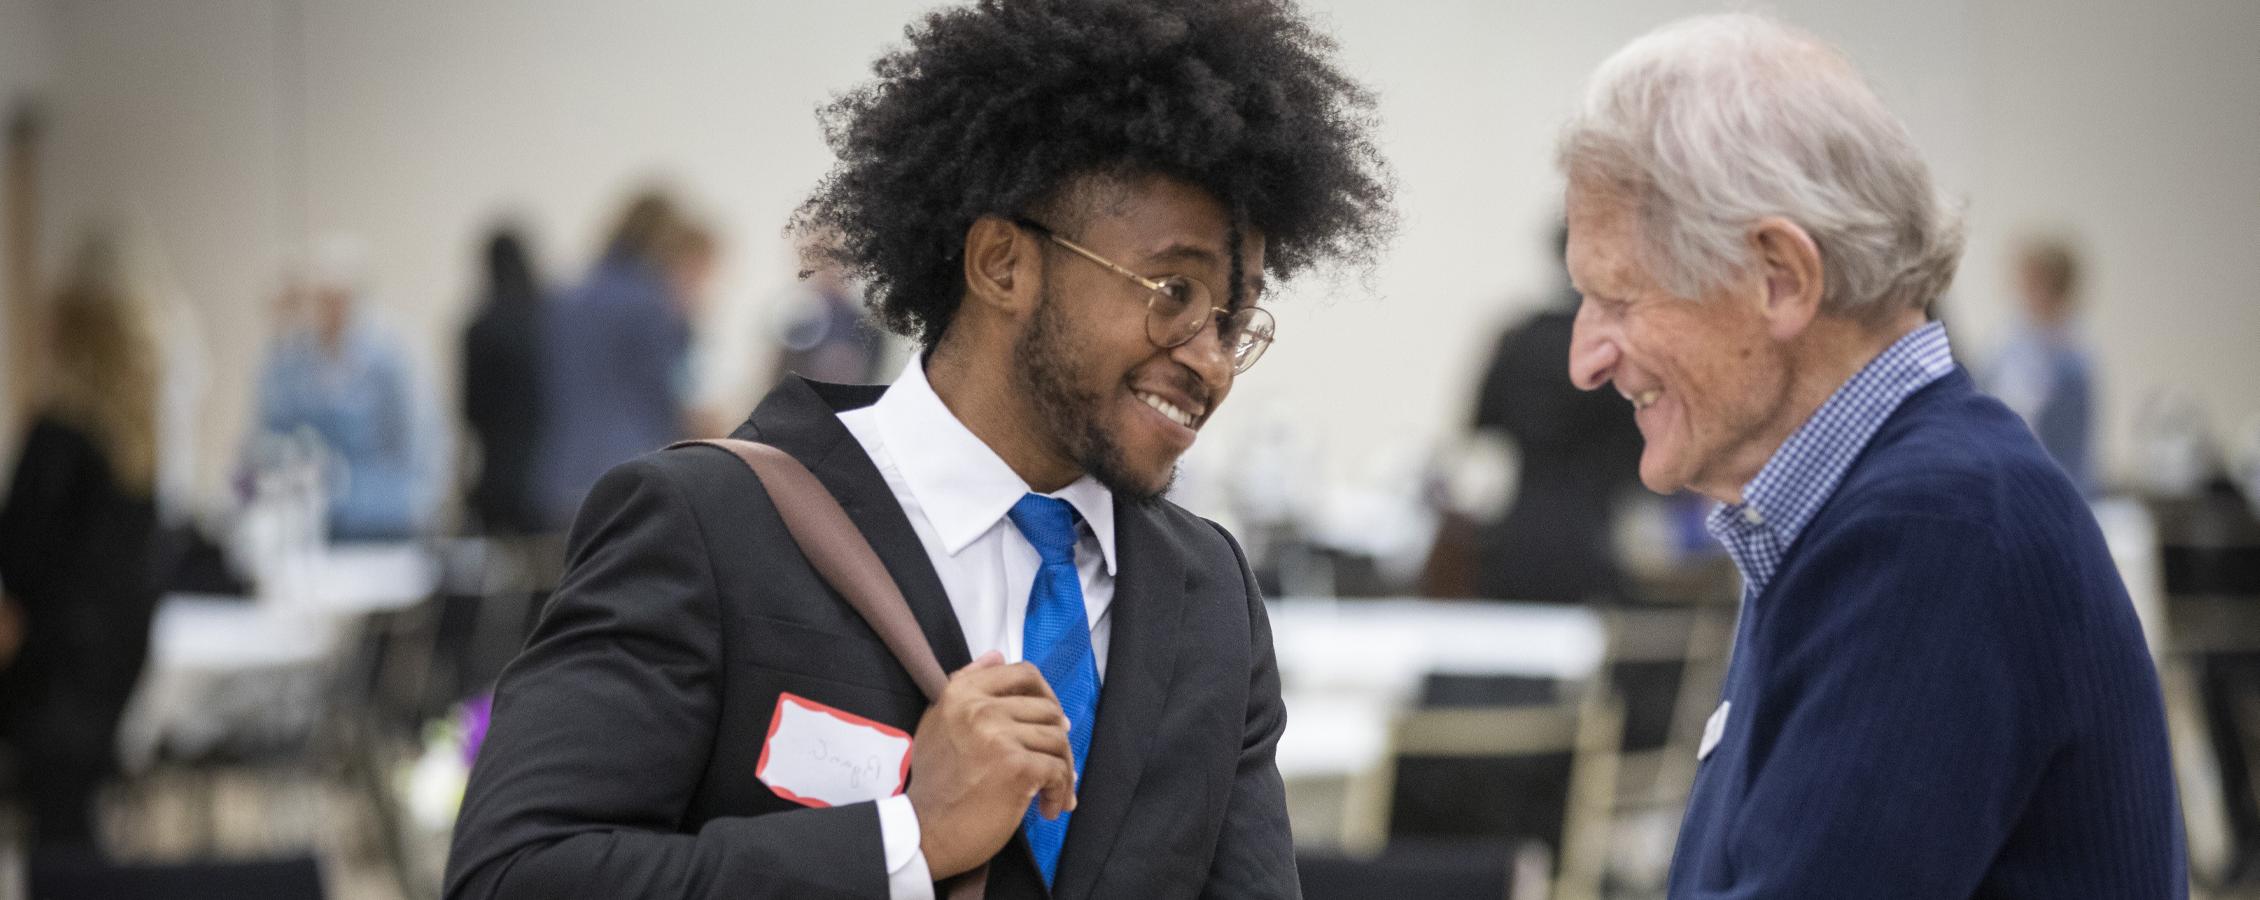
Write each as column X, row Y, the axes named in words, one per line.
column 1057, row 639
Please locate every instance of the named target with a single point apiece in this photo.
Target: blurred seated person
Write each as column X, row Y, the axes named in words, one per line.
column 1579, row 453
column 616, row 353
column 336, row 374
column 79, row 549
column 502, row 389
column 2045, row 371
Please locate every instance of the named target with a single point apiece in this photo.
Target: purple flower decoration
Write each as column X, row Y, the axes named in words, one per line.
column 476, row 713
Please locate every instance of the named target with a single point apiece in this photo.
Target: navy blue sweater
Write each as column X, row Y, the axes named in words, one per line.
column 1942, row 693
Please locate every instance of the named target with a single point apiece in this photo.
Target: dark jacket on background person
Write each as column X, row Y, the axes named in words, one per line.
column 502, row 400
column 614, row 351
column 1578, row 452
column 79, row 552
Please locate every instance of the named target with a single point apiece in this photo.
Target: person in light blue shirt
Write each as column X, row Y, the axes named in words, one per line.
column 337, row 376
column 2044, row 371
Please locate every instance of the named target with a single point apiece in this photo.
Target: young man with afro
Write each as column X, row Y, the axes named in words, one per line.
column 1073, row 205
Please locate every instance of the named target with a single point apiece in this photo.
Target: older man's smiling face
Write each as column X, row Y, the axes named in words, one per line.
column 1705, row 380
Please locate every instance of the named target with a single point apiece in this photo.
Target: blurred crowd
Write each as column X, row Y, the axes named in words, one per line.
column 348, row 443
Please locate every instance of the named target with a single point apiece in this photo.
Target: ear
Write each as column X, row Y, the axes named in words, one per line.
column 1002, row 267
column 1790, row 265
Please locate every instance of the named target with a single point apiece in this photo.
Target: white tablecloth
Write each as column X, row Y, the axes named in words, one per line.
column 359, row 579
column 221, row 667
column 1348, row 667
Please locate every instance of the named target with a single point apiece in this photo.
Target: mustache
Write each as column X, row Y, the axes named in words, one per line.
column 1189, row 384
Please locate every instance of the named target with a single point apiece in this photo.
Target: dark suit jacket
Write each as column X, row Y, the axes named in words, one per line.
column 621, row 758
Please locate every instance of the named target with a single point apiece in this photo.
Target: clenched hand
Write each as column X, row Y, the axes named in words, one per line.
column 992, row 743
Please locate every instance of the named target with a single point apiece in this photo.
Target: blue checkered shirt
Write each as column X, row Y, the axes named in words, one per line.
column 1802, row 474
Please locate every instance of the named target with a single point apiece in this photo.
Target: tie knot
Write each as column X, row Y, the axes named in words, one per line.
column 1049, row 524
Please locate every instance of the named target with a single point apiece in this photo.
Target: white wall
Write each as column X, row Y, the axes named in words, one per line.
column 237, row 127
column 27, row 63
column 27, row 47
column 2137, row 126
column 167, row 126
column 426, row 120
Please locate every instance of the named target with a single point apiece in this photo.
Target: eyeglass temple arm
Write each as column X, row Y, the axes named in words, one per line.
column 1147, row 283
column 1081, row 251
column 1143, row 281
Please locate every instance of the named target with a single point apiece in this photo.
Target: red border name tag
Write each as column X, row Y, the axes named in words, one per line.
column 818, row 755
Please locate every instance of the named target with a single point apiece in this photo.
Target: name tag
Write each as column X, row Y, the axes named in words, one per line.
column 816, row 755
column 1714, row 729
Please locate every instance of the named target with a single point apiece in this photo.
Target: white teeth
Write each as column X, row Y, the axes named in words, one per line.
column 1167, row 408
column 1644, row 399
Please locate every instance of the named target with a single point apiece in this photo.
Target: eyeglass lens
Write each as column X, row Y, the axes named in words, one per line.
column 1183, row 307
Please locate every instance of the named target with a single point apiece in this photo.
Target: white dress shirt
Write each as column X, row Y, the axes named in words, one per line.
column 956, row 491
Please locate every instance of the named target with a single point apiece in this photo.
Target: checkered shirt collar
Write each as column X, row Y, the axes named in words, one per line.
column 1802, row 475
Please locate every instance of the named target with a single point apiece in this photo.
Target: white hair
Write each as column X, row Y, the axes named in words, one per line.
column 1713, row 123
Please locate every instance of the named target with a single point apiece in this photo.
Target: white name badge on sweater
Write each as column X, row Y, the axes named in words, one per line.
column 1713, row 730
column 816, row 755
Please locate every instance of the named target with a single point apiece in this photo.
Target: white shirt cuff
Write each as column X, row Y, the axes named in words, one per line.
column 907, row 875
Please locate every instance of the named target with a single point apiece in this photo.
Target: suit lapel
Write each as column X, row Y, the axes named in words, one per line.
column 801, row 417
column 1149, row 601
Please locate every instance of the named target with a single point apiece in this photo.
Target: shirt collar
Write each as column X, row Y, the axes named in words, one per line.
column 1804, row 472
column 964, row 487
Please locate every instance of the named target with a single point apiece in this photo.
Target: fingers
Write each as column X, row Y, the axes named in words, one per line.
column 1054, row 776
column 1018, row 690
column 991, row 675
column 1029, row 710
column 1017, row 679
column 1047, row 759
column 1045, row 739
column 1053, row 800
column 1021, row 711
column 1040, row 744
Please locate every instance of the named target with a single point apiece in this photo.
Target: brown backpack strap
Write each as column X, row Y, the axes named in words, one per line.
column 839, row 552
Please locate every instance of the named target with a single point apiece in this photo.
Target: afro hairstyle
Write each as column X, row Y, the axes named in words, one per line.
column 1001, row 107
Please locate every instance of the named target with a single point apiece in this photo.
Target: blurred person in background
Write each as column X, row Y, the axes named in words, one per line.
column 79, row 554
column 502, row 389
column 1073, row 205
column 2045, row 371
column 1577, row 452
column 335, row 375
column 1939, row 689
column 828, row 338
column 616, row 353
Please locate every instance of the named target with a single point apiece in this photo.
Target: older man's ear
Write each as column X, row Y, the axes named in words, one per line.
column 1790, row 264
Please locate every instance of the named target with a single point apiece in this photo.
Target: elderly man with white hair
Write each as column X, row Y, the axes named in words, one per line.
column 1939, row 688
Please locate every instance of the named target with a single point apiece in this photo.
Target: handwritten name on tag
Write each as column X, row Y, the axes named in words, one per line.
column 1713, row 730
column 816, row 755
